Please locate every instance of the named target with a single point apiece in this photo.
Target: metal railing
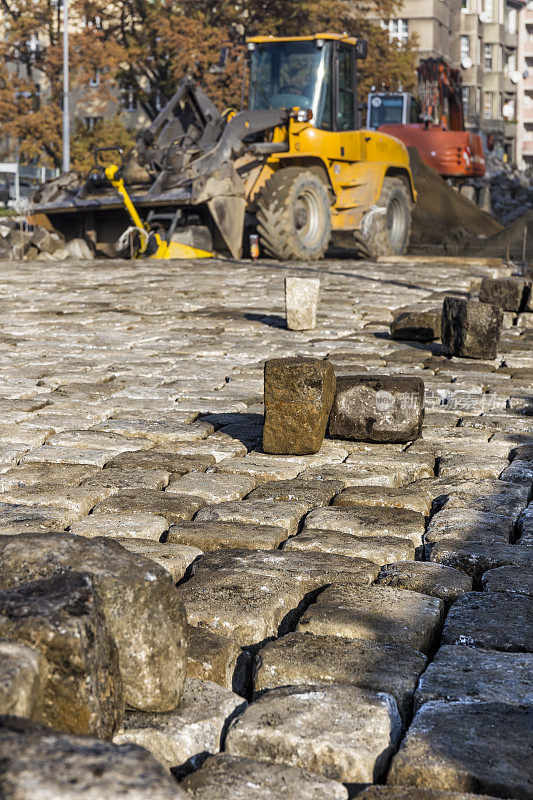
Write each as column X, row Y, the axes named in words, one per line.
column 17, row 180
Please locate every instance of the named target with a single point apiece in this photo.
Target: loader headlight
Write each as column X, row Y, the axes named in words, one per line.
column 303, row 114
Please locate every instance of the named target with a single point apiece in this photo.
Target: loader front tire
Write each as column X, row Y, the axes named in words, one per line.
column 294, row 216
column 386, row 226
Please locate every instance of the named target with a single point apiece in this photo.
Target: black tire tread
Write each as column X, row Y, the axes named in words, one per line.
column 274, row 214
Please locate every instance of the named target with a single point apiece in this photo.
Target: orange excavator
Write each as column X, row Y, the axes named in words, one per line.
column 433, row 123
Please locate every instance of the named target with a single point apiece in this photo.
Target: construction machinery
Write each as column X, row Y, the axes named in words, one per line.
column 295, row 167
column 433, row 122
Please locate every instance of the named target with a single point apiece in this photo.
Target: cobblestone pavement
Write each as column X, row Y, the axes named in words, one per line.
column 359, row 616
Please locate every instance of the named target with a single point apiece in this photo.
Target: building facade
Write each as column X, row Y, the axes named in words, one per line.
column 482, row 38
column 525, row 88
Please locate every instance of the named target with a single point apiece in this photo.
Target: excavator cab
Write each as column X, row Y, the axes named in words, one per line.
column 315, row 74
column 392, row 108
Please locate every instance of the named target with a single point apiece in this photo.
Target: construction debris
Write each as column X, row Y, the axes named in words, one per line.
column 470, row 329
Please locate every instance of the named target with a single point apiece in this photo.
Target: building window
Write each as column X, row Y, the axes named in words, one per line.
column 465, row 6
column 466, row 99
column 128, row 99
column 487, row 57
column 487, row 105
column 465, row 47
column 488, row 8
column 90, row 122
column 399, row 30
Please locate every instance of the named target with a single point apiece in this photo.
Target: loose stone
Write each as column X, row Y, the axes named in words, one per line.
column 298, row 398
column 378, row 408
column 301, row 302
column 470, row 329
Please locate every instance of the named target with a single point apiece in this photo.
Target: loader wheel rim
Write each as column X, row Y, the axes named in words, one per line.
column 307, row 217
column 396, row 222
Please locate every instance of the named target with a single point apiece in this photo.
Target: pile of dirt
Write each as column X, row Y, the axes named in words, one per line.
column 443, row 219
column 510, row 241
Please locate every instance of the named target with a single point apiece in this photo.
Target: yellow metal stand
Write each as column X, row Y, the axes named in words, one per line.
column 164, row 249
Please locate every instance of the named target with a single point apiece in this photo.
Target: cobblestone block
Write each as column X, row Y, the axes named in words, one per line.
column 378, row 549
column 298, row 397
column 220, row 535
column 115, row 525
column 34, row 767
column 172, row 507
column 378, row 408
column 160, row 432
column 301, row 302
column 413, row 498
column 508, row 294
column 466, row 747
column 23, row 676
column 493, row 621
column 213, row 487
column 376, row 613
column 150, row 633
column 174, row 558
column 314, row 493
column 475, row 558
column 340, row 732
column 302, row 658
column 193, row 729
column 463, row 674
column 175, row 463
column 62, row 618
column 256, row 512
column 470, row 329
column 116, row 479
column 226, row 777
column 508, row 579
column 428, row 578
column 212, row 657
column 368, row 521
column 421, row 326
column 35, row 474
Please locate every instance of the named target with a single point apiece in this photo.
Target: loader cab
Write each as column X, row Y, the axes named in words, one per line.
column 392, row 108
column 317, row 73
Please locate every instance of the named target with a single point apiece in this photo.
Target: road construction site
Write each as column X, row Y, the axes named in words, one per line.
column 352, row 620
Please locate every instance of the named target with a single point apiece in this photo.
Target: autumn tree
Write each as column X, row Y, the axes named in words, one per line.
column 148, row 46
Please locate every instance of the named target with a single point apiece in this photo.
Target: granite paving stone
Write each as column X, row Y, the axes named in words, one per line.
column 376, row 613
column 304, row 658
column 493, row 621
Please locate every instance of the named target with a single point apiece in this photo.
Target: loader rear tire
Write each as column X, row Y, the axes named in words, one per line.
column 386, row 226
column 294, row 216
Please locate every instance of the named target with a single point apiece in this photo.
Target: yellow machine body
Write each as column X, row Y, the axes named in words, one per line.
column 354, row 162
column 164, row 249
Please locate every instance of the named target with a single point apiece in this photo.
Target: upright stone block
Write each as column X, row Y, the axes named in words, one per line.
column 62, row 618
column 298, row 398
column 378, row 408
column 509, row 294
column 301, row 302
column 470, row 329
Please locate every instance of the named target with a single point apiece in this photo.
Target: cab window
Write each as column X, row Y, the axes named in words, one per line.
column 345, row 115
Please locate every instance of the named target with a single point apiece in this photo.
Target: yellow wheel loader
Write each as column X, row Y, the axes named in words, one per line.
column 295, row 167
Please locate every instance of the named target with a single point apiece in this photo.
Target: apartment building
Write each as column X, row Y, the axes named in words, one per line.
column 481, row 37
column 525, row 88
